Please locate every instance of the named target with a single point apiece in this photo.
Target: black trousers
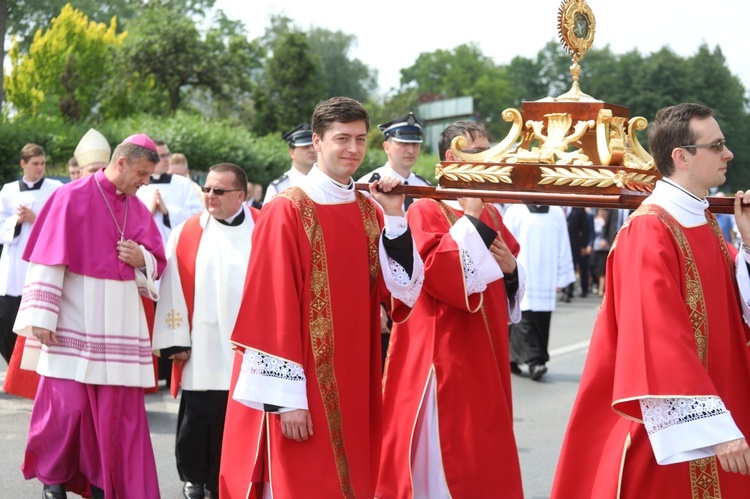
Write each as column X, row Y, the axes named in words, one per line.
column 583, row 264
column 529, row 338
column 200, row 430
column 8, row 311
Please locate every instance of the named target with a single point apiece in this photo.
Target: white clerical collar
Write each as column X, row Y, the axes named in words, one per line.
column 325, row 190
column 231, row 219
column 28, row 183
column 688, row 209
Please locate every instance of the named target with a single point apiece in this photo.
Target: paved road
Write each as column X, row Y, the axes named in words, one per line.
column 541, row 413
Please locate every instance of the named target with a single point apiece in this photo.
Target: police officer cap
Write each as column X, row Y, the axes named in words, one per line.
column 300, row 136
column 407, row 128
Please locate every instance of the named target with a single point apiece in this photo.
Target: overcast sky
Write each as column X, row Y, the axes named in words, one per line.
column 391, row 35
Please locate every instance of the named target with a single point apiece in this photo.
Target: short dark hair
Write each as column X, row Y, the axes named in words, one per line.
column 159, row 142
column 473, row 129
column 30, row 150
column 134, row 152
column 338, row 110
column 240, row 177
column 671, row 129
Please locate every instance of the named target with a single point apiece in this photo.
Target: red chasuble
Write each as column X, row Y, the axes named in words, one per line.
column 670, row 326
column 312, row 298
column 463, row 339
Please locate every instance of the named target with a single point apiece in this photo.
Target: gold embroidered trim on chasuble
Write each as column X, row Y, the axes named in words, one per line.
column 704, row 474
column 321, row 317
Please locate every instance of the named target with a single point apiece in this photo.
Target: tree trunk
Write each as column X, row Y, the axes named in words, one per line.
column 3, row 30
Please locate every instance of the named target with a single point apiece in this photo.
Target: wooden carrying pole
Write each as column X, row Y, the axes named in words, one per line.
column 628, row 200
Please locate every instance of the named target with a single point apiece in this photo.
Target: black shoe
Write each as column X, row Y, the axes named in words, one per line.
column 537, row 371
column 192, row 491
column 514, row 369
column 96, row 492
column 56, row 491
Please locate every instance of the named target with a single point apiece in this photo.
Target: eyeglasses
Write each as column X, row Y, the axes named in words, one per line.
column 217, row 191
column 718, row 145
column 164, row 156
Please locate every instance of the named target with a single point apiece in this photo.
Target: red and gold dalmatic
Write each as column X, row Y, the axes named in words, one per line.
column 670, row 326
column 461, row 340
column 320, row 312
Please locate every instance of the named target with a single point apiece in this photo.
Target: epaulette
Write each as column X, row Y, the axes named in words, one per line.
column 422, row 179
column 279, row 180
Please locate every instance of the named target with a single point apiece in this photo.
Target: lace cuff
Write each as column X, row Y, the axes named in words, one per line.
column 661, row 414
column 260, row 364
column 397, row 280
column 472, row 276
column 266, row 379
column 514, row 302
column 684, row 429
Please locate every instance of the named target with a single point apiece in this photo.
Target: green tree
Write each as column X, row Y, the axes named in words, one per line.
column 290, row 87
column 238, row 61
column 524, row 76
column 713, row 84
column 23, row 18
column 165, row 47
column 165, row 59
column 465, row 70
column 339, row 74
column 62, row 74
column 447, row 72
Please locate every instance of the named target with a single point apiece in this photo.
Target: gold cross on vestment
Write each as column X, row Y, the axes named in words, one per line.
column 173, row 319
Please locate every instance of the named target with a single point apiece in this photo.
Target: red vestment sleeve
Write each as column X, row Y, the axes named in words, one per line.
column 439, row 250
column 655, row 335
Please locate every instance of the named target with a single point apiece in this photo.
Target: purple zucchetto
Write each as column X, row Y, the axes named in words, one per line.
column 141, row 139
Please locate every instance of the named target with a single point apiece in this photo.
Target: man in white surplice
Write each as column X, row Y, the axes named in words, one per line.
column 195, row 319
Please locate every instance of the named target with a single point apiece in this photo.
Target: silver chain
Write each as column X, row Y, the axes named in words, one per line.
column 124, row 221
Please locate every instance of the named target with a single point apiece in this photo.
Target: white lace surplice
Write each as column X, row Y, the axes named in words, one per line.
column 683, row 429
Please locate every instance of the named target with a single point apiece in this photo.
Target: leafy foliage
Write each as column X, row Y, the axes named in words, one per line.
column 340, row 75
column 61, row 74
column 204, row 143
column 291, row 86
column 169, row 61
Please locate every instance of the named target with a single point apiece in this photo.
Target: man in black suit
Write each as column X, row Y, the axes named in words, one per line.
column 578, row 231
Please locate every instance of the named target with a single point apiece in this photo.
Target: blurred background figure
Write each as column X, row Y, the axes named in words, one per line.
column 20, row 201
column 601, row 250
column 726, row 222
column 578, row 232
column 74, row 169
column 303, row 156
column 542, row 232
column 254, row 195
column 178, row 165
column 92, row 153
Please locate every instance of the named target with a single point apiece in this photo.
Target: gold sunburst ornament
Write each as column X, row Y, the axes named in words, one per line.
column 576, row 27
